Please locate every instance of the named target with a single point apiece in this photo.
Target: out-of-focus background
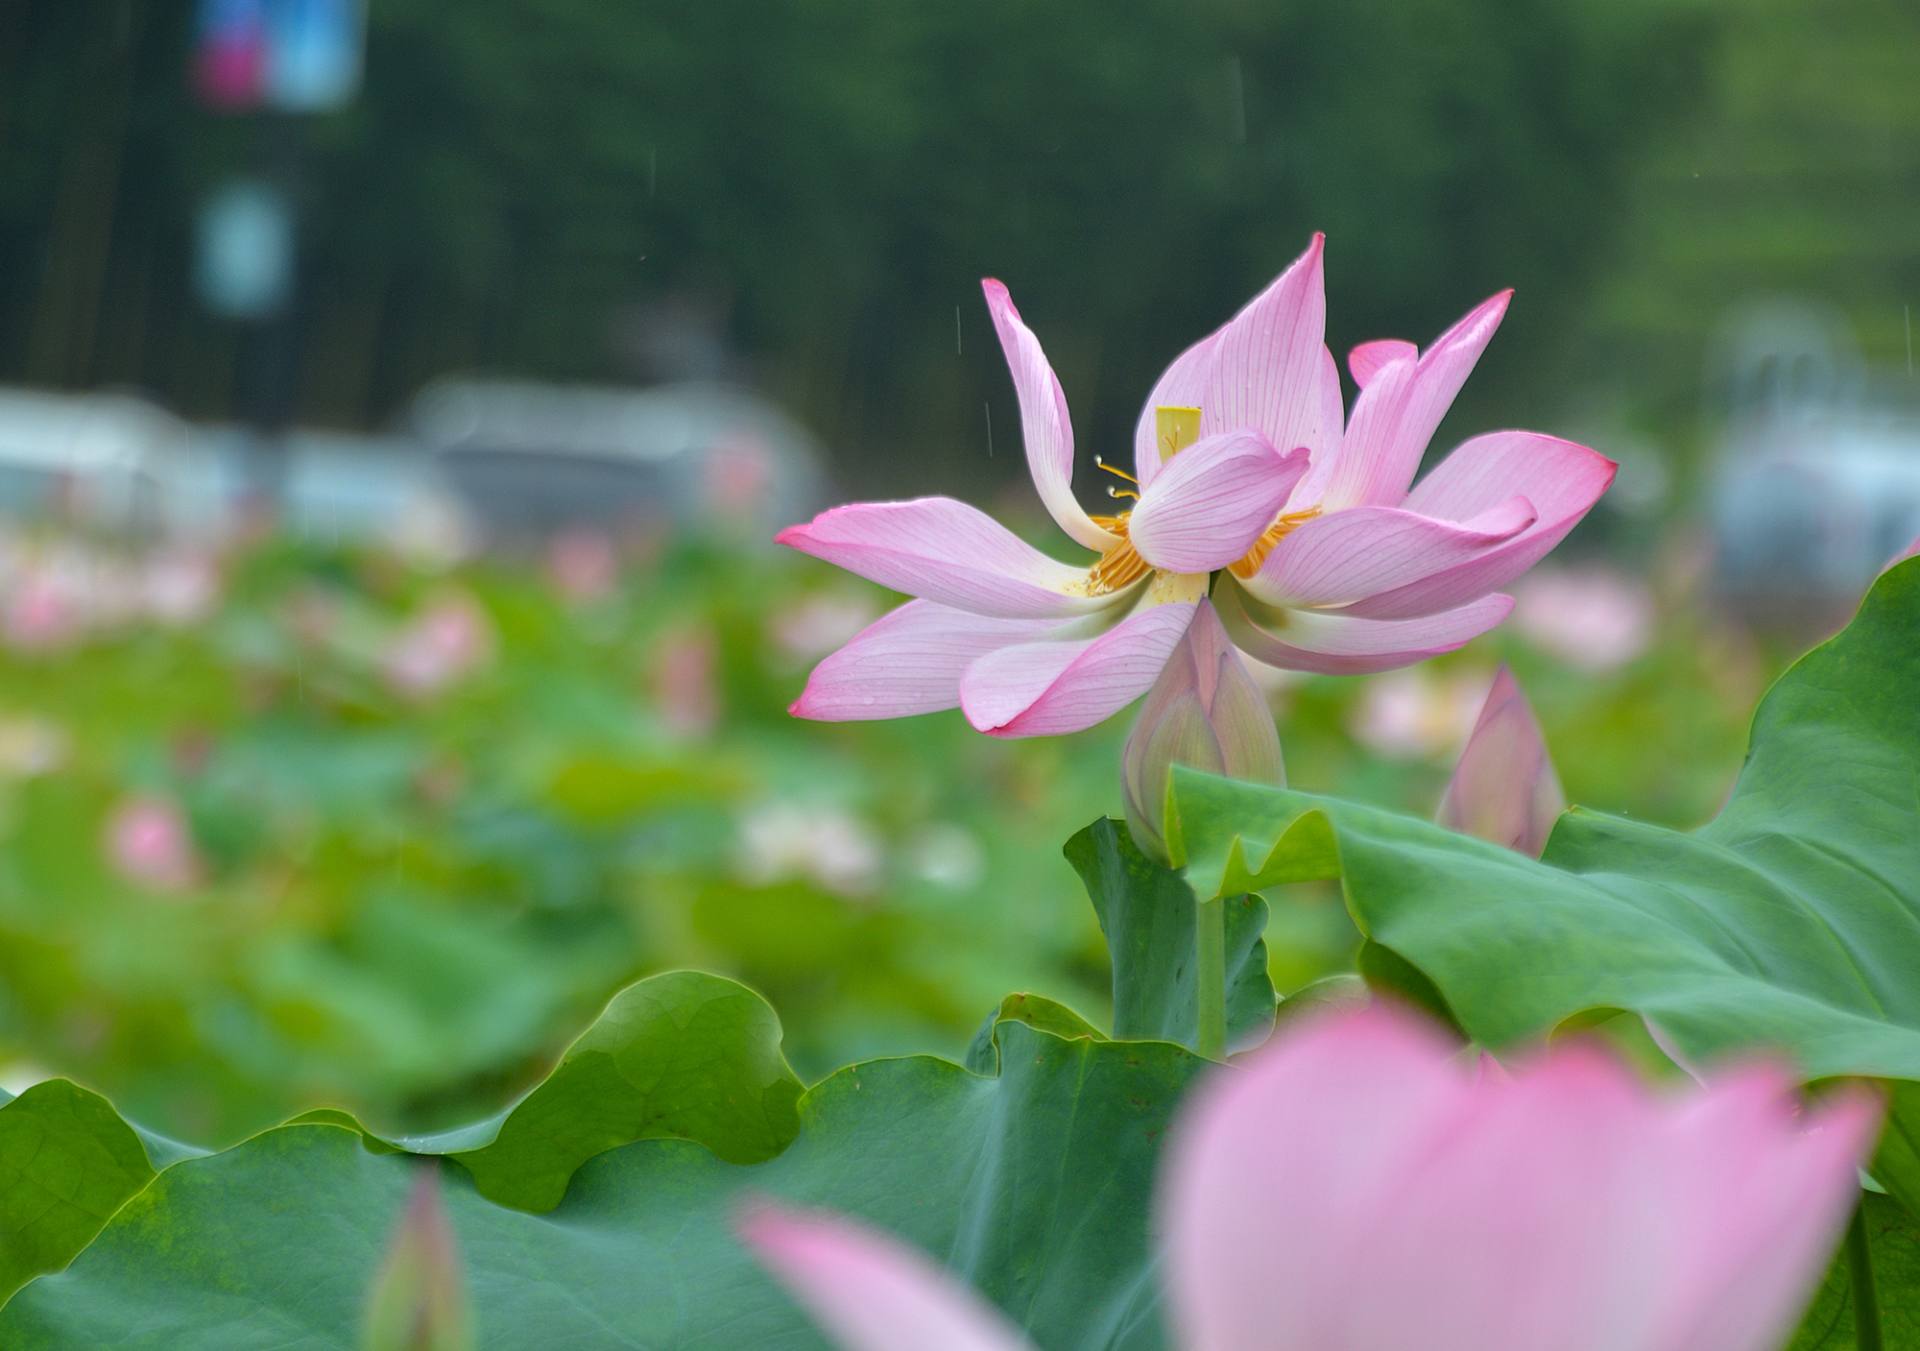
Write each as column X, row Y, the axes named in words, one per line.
column 397, row 400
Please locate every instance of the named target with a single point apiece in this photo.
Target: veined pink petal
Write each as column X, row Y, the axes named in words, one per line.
column 1562, row 479
column 1212, row 501
column 1181, row 385
column 868, row 1290
column 906, row 662
column 1349, row 555
column 1266, row 370
column 1325, row 448
column 1504, row 788
column 1366, row 360
column 1400, row 407
column 1335, row 643
column 946, row 551
column 1043, row 420
column 1051, row 688
column 1275, row 1164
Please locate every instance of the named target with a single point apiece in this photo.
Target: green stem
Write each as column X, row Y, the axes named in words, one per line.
column 1210, row 978
column 1866, row 1301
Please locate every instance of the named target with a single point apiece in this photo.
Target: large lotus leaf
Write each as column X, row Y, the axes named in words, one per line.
column 1792, row 921
column 1147, row 912
column 1034, row 1185
column 683, row 1054
column 67, row 1163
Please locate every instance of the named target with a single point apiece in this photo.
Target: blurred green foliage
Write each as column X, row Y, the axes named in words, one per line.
column 405, row 903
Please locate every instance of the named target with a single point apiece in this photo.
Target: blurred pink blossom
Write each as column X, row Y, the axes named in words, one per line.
column 442, row 644
column 1358, row 1184
column 583, row 564
column 43, row 611
column 686, row 681
column 1594, row 618
column 150, row 844
column 824, row 844
column 1416, row 714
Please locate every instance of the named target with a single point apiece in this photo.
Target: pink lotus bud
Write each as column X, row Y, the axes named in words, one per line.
column 419, row 1300
column 1504, row 788
column 42, row 613
column 1204, row 712
column 1912, row 550
column 181, row 588
column 149, row 843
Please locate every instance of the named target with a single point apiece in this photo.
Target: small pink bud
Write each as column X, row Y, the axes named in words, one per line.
column 419, row 1300
column 1504, row 789
column 584, row 564
column 444, row 643
column 1204, row 712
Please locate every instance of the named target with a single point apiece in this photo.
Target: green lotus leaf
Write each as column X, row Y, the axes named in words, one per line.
column 1034, row 1185
column 1791, row 922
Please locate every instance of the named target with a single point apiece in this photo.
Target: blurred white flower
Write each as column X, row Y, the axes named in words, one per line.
column 1416, row 714
column 823, row 844
column 181, row 587
column 947, row 854
column 31, row 746
column 1594, row 618
column 817, row 625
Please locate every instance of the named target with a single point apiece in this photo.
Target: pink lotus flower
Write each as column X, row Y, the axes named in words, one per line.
column 583, row 564
column 1505, row 789
column 1355, row 1184
column 150, row 844
column 1593, row 618
column 1242, row 466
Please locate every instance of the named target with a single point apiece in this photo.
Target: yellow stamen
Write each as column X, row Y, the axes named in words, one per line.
column 1174, row 429
column 1117, row 473
column 1271, row 536
column 1121, row 566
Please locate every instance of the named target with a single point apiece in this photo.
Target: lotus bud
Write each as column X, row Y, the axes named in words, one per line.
column 419, row 1300
column 1204, row 712
column 1504, row 789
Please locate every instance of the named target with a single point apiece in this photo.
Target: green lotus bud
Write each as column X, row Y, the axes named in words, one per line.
column 419, row 1300
column 1204, row 712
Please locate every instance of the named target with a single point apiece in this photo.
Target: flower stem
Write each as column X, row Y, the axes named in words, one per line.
column 1210, row 978
column 1866, row 1301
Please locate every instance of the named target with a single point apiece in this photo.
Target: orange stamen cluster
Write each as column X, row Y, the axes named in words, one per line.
column 1270, row 537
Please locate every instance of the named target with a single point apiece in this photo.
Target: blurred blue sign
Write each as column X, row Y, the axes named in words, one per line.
column 299, row 56
column 243, row 265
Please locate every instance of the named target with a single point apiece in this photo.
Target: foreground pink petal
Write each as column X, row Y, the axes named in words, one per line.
column 1504, row 789
column 1212, row 501
column 907, row 662
column 1367, row 360
column 1560, row 478
column 1055, row 687
column 1043, row 420
column 945, row 551
column 1400, row 407
column 1351, row 555
column 1357, row 1185
column 1336, row 643
column 871, row 1292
